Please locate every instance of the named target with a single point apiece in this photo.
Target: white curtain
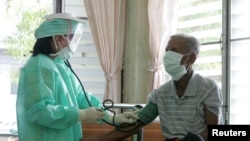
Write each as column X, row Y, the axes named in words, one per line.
column 162, row 24
column 107, row 23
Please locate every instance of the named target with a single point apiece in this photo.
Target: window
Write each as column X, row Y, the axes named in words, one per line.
column 16, row 40
column 86, row 65
column 222, row 28
column 203, row 19
column 238, row 63
column 85, row 61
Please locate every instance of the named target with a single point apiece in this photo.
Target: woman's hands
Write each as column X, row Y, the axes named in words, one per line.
column 126, row 117
column 90, row 114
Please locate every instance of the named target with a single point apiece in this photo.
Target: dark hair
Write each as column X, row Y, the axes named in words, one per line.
column 42, row 46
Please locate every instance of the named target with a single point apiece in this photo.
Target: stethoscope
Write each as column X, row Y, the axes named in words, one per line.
column 107, row 105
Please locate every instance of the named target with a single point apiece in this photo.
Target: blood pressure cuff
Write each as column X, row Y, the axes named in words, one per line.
column 148, row 113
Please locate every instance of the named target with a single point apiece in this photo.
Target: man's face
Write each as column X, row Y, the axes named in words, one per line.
column 177, row 45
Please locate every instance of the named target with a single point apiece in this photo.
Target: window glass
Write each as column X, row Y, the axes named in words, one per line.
column 240, row 19
column 85, row 61
column 18, row 19
column 87, row 66
column 239, row 62
column 202, row 19
column 239, row 82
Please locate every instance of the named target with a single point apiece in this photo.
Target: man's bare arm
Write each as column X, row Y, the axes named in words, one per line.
column 117, row 134
column 211, row 119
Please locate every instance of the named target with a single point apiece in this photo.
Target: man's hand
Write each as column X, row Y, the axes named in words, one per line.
column 90, row 139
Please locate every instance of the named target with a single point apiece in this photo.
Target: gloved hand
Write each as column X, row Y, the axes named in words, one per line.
column 136, row 111
column 126, row 117
column 90, row 114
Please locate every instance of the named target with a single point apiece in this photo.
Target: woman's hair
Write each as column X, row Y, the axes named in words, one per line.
column 42, row 46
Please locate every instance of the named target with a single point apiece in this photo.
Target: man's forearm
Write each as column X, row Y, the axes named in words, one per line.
column 121, row 133
column 117, row 134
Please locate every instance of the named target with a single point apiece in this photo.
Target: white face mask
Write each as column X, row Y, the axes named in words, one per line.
column 64, row 54
column 172, row 65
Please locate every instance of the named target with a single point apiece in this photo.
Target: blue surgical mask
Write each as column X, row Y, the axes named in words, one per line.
column 173, row 66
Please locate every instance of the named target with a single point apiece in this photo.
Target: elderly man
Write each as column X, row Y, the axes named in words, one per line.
column 186, row 104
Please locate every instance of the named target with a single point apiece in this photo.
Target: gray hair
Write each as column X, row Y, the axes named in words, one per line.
column 192, row 44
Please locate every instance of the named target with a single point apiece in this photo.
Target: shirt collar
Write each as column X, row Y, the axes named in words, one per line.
column 192, row 86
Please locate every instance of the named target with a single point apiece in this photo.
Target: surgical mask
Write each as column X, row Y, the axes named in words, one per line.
column 67, row 52
column 172, row 65
column 64, row 54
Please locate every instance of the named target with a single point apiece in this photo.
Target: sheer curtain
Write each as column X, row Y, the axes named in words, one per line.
column 162, row 21
column 107, row 23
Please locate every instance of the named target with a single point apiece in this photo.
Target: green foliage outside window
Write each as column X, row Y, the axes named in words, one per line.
column 27, row 18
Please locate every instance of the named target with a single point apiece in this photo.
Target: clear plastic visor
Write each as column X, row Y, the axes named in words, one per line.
column 75, row 37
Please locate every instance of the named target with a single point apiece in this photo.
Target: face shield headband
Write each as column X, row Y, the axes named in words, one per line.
column 64, row 24
column 73, row 40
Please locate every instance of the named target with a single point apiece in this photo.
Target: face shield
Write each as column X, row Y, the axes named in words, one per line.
column 75, row 37
column 64, row 24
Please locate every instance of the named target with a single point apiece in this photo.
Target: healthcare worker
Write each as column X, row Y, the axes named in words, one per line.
column 51, row 103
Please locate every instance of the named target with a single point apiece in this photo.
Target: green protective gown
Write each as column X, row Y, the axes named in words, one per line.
column 48, row 99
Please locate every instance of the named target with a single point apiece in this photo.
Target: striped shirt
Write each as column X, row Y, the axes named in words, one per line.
column 186, row 114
